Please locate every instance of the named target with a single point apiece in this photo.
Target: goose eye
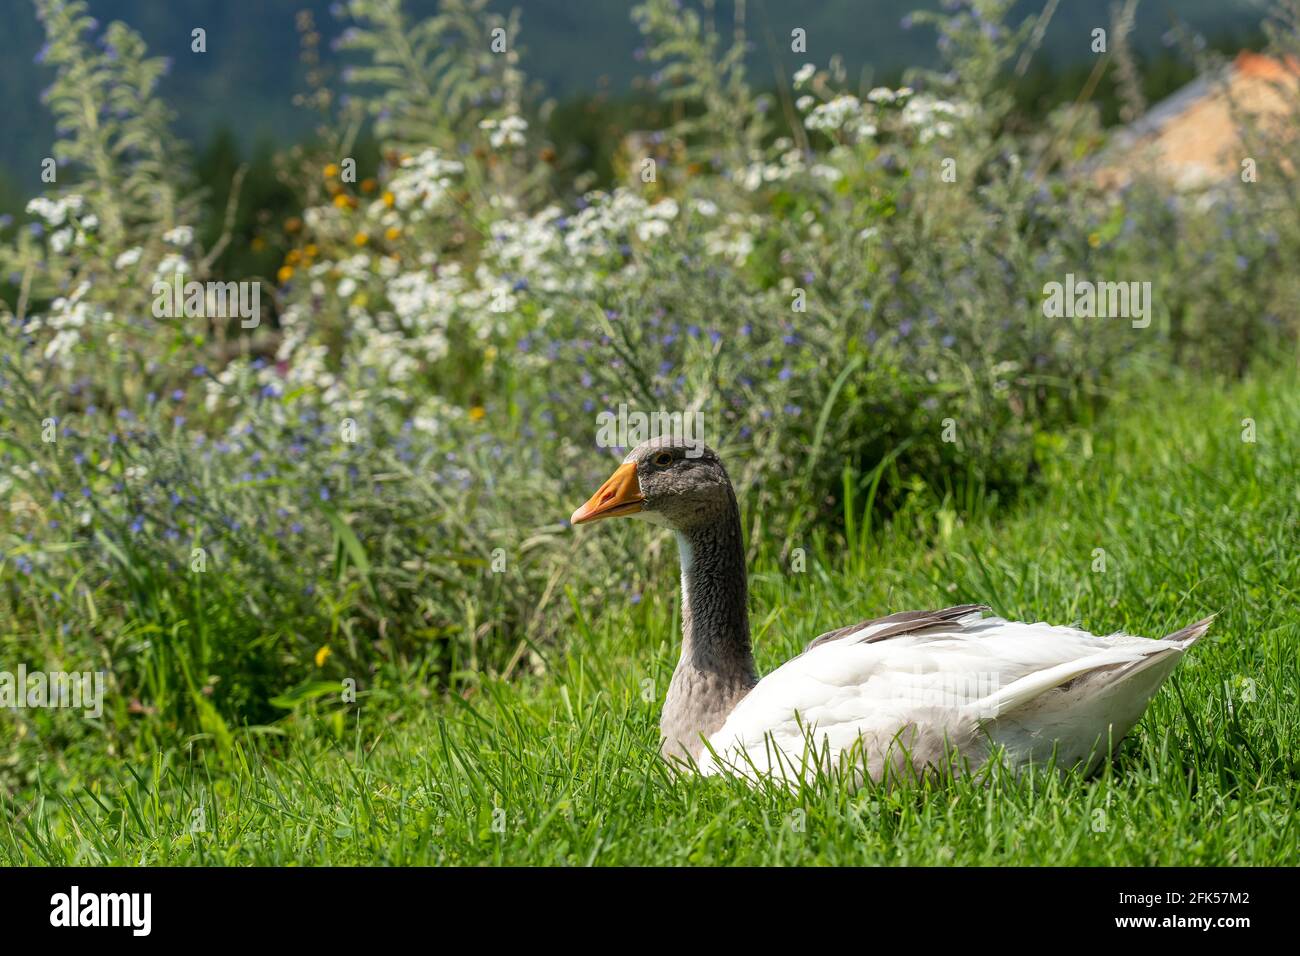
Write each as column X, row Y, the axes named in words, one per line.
column 663, row 459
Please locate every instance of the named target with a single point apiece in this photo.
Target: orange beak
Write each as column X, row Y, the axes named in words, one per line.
column 620, row 495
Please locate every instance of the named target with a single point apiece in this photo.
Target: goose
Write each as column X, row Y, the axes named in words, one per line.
column 908, row 695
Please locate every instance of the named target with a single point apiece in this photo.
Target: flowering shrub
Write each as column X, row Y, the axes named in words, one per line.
column 833, row 295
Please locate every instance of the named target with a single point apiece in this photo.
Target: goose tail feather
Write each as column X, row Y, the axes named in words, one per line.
column 1190, row 634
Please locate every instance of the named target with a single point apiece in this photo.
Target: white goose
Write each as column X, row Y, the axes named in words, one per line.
column 901, row 696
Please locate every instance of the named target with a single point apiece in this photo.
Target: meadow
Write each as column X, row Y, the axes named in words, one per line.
column 322, row 558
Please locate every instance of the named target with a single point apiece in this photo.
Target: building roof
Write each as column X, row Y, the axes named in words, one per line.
column 1192, row 138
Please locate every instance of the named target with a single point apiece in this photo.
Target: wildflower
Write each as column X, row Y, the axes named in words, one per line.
column 331, row 171
column 804, row 74
column 180, row 236
column 360, row 239
column 284, row 274
column 392, row 232
column 477, row 413
column 128, row 258
column 323, row 655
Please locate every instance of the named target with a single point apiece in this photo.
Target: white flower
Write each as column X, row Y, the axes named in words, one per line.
column 55, row 211
column 169, row 266
column 506, row 132
column 59, row 241
column 881, row 94
column 47, row 209
column 804, row 74
column 180, row 236
column 842, row 113
column 805, row 103
column 705, row 207
column 651, row 229
column 663, row 209
column 423, row 181
column 347, row 285
column 128, row 258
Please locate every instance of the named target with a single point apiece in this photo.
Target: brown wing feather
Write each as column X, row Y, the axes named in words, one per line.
column 902, row 622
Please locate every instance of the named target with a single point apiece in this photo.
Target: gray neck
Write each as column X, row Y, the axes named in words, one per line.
column 716, row 668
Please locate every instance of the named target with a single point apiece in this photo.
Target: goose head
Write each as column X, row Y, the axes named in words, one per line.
column 685, row 488
column 677, row 485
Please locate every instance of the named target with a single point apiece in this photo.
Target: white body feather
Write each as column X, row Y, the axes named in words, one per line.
column 910, row 703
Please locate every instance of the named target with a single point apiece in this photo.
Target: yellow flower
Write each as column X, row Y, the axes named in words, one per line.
column 310, row 250
column 1094, row 240
column 331, row 171
column 477, row 413
column 389, row 199
column 343, row 200
column 322, row 656
column 292, row 256
column 368, row 185
column 392, row 232
column 360, row 239
column 292, row 224
column 285, row 274
column 258, row 244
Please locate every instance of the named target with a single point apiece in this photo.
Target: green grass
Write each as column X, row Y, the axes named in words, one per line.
column 561, row 766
